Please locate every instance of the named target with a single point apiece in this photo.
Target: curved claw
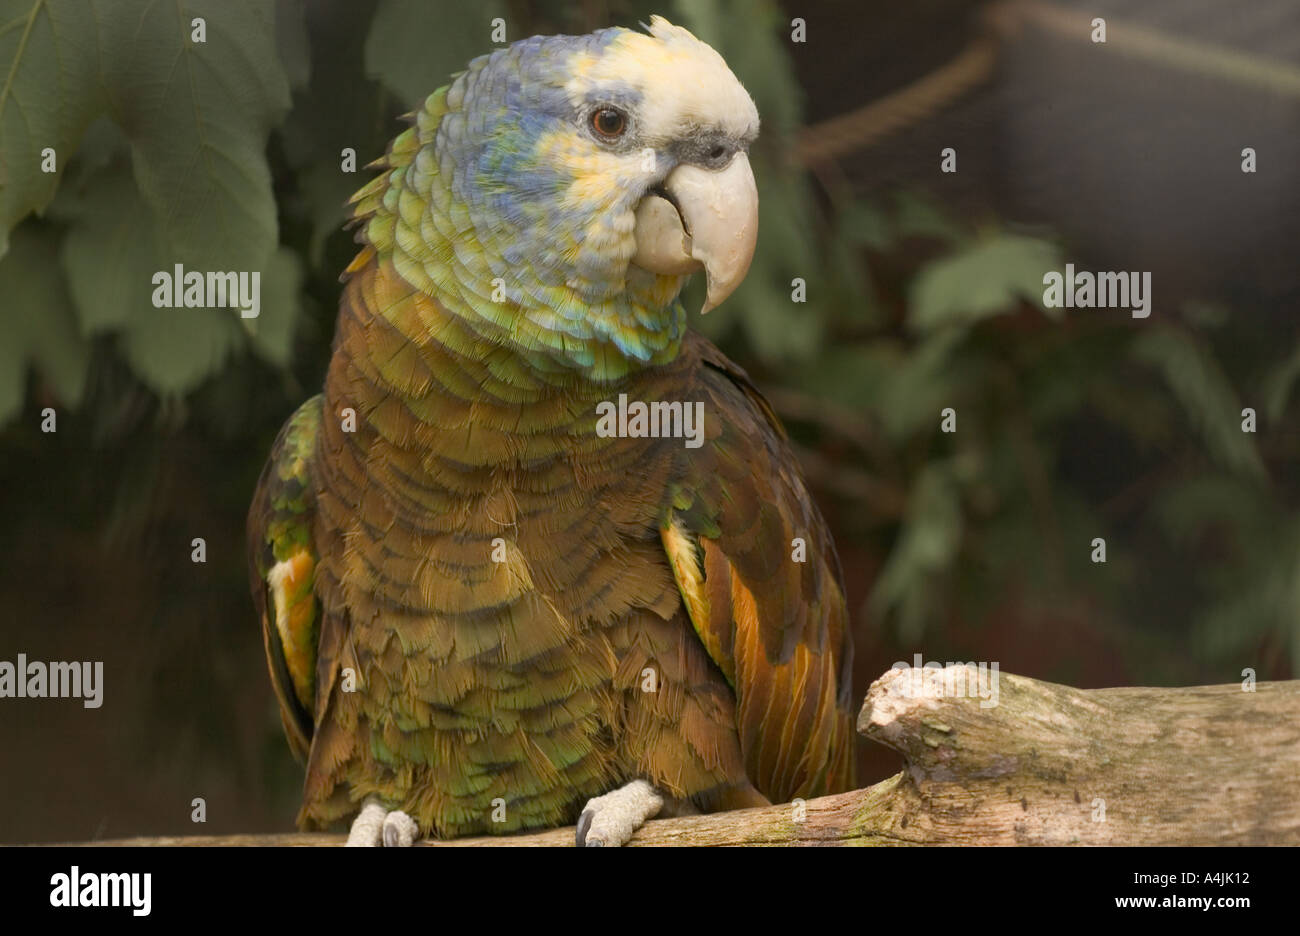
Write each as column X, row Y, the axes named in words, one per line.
column 584, row 825
column 375, row 826
column 400, row 830
column 611, row 820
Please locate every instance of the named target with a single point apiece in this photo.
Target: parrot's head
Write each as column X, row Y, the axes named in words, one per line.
column 569, row 185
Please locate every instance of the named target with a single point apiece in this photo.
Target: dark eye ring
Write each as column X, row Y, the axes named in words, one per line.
column 609, row 123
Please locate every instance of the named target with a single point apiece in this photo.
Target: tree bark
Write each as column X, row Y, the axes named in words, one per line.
column 1044, row 765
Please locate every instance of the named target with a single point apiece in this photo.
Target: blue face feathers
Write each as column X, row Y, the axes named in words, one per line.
column 517, row 211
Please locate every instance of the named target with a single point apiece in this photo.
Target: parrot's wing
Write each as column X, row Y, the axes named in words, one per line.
column 761, row 582
column 282, row 565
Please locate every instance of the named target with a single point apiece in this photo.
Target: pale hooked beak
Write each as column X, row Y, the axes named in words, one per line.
column 701, row 219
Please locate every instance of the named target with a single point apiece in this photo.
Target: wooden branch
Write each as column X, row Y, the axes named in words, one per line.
column 1033, row 763
column 1052, row 765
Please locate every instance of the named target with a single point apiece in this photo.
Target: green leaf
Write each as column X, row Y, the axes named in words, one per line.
column 37, row 322
column 195, row 115
column 926, row 547
column 111, row 252
column 925, row 381
column 917, row 215
column 271, row 333
column 414, row 50
column 49, row 93
column 1200, row 386
column 198, row 116
column 985, row 279
column 292, row 42
column 175, row 350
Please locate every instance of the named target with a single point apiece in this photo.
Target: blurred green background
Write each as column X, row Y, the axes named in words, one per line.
column 923, row 291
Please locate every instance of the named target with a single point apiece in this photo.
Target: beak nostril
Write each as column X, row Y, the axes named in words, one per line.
column 717, row 153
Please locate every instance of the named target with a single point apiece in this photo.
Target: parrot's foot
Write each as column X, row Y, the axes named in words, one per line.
column 376, row 826
column 612, row 819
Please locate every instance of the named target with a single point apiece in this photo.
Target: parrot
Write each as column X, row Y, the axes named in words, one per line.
column 487, row 605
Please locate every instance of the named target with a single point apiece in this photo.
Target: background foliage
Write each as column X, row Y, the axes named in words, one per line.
column 225, row 155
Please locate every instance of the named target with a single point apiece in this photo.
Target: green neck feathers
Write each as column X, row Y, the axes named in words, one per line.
column 517, row 265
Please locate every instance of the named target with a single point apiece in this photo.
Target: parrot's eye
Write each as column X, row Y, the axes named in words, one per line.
column 610, row 123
